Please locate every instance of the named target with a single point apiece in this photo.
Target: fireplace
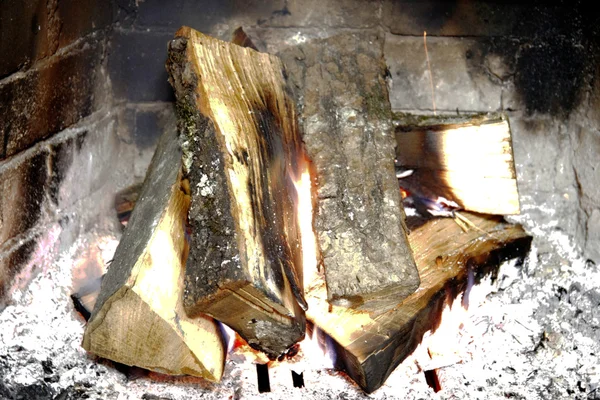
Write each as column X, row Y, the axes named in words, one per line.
column 85, row 98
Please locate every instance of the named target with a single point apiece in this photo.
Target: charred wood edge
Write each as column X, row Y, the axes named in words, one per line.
column 80, row 307
column 431, row 377
column 430, row 182
column 374, row 370
column 125, row 202
column 407, row 122
column 240, row 38
column 185, row 82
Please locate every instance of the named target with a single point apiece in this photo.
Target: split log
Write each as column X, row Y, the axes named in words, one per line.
column 138, row 318
column 467, row 160
column 241, row 143
column 347, row 126
column 369, row 348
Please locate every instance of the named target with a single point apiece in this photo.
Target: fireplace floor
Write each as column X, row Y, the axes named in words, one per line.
column 532, row 334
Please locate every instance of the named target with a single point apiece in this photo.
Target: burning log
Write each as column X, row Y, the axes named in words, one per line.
column 348, row 134
column 138, row 318
column 241, row 144
column 370, row 347
column 465, row 160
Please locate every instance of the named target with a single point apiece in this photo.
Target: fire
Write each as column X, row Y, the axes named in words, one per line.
column 305, row 219
column 316, row 351
column 448, row 344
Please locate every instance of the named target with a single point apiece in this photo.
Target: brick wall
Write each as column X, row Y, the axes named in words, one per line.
column 53, row 87
column 87, row 77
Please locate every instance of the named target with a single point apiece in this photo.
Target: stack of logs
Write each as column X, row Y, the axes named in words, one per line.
column 215, row 234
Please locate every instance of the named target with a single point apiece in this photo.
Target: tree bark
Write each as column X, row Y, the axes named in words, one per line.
column 347, row 125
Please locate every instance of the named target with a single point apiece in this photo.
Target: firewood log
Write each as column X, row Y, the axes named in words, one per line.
column 347, row 129
column 370, row 347
column 241, row 145
column 138, row 318
column 467, row 160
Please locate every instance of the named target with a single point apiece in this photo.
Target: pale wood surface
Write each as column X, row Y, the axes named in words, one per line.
column 138, row 318
column 468, row 160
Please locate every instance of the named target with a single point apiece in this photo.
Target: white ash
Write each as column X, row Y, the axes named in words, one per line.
column 535, row 335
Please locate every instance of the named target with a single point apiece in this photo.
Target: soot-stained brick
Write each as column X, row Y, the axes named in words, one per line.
column 24, row 36
column 137, row 66
column 61, row 158
column 550, row 76
column 11, row 263
column 22, row 187
column 81, row 17
column 48, row 99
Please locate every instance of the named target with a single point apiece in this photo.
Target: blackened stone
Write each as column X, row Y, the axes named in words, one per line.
column 488, row 18
column 137, row 66
column 24, row 34
column 22, row 187
column 125, row 12
column 204, row 15
column 81, row 17
column 550, row 76
column 49, row 99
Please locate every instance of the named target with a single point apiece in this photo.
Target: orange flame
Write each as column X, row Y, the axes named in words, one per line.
column 305, row 218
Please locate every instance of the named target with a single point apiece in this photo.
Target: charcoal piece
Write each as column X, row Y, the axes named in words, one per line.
column 241, row 143
column 346, row 118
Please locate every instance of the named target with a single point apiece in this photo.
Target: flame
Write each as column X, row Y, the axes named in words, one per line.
column 305, row 218
column 316, row 350
column 449, row 343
